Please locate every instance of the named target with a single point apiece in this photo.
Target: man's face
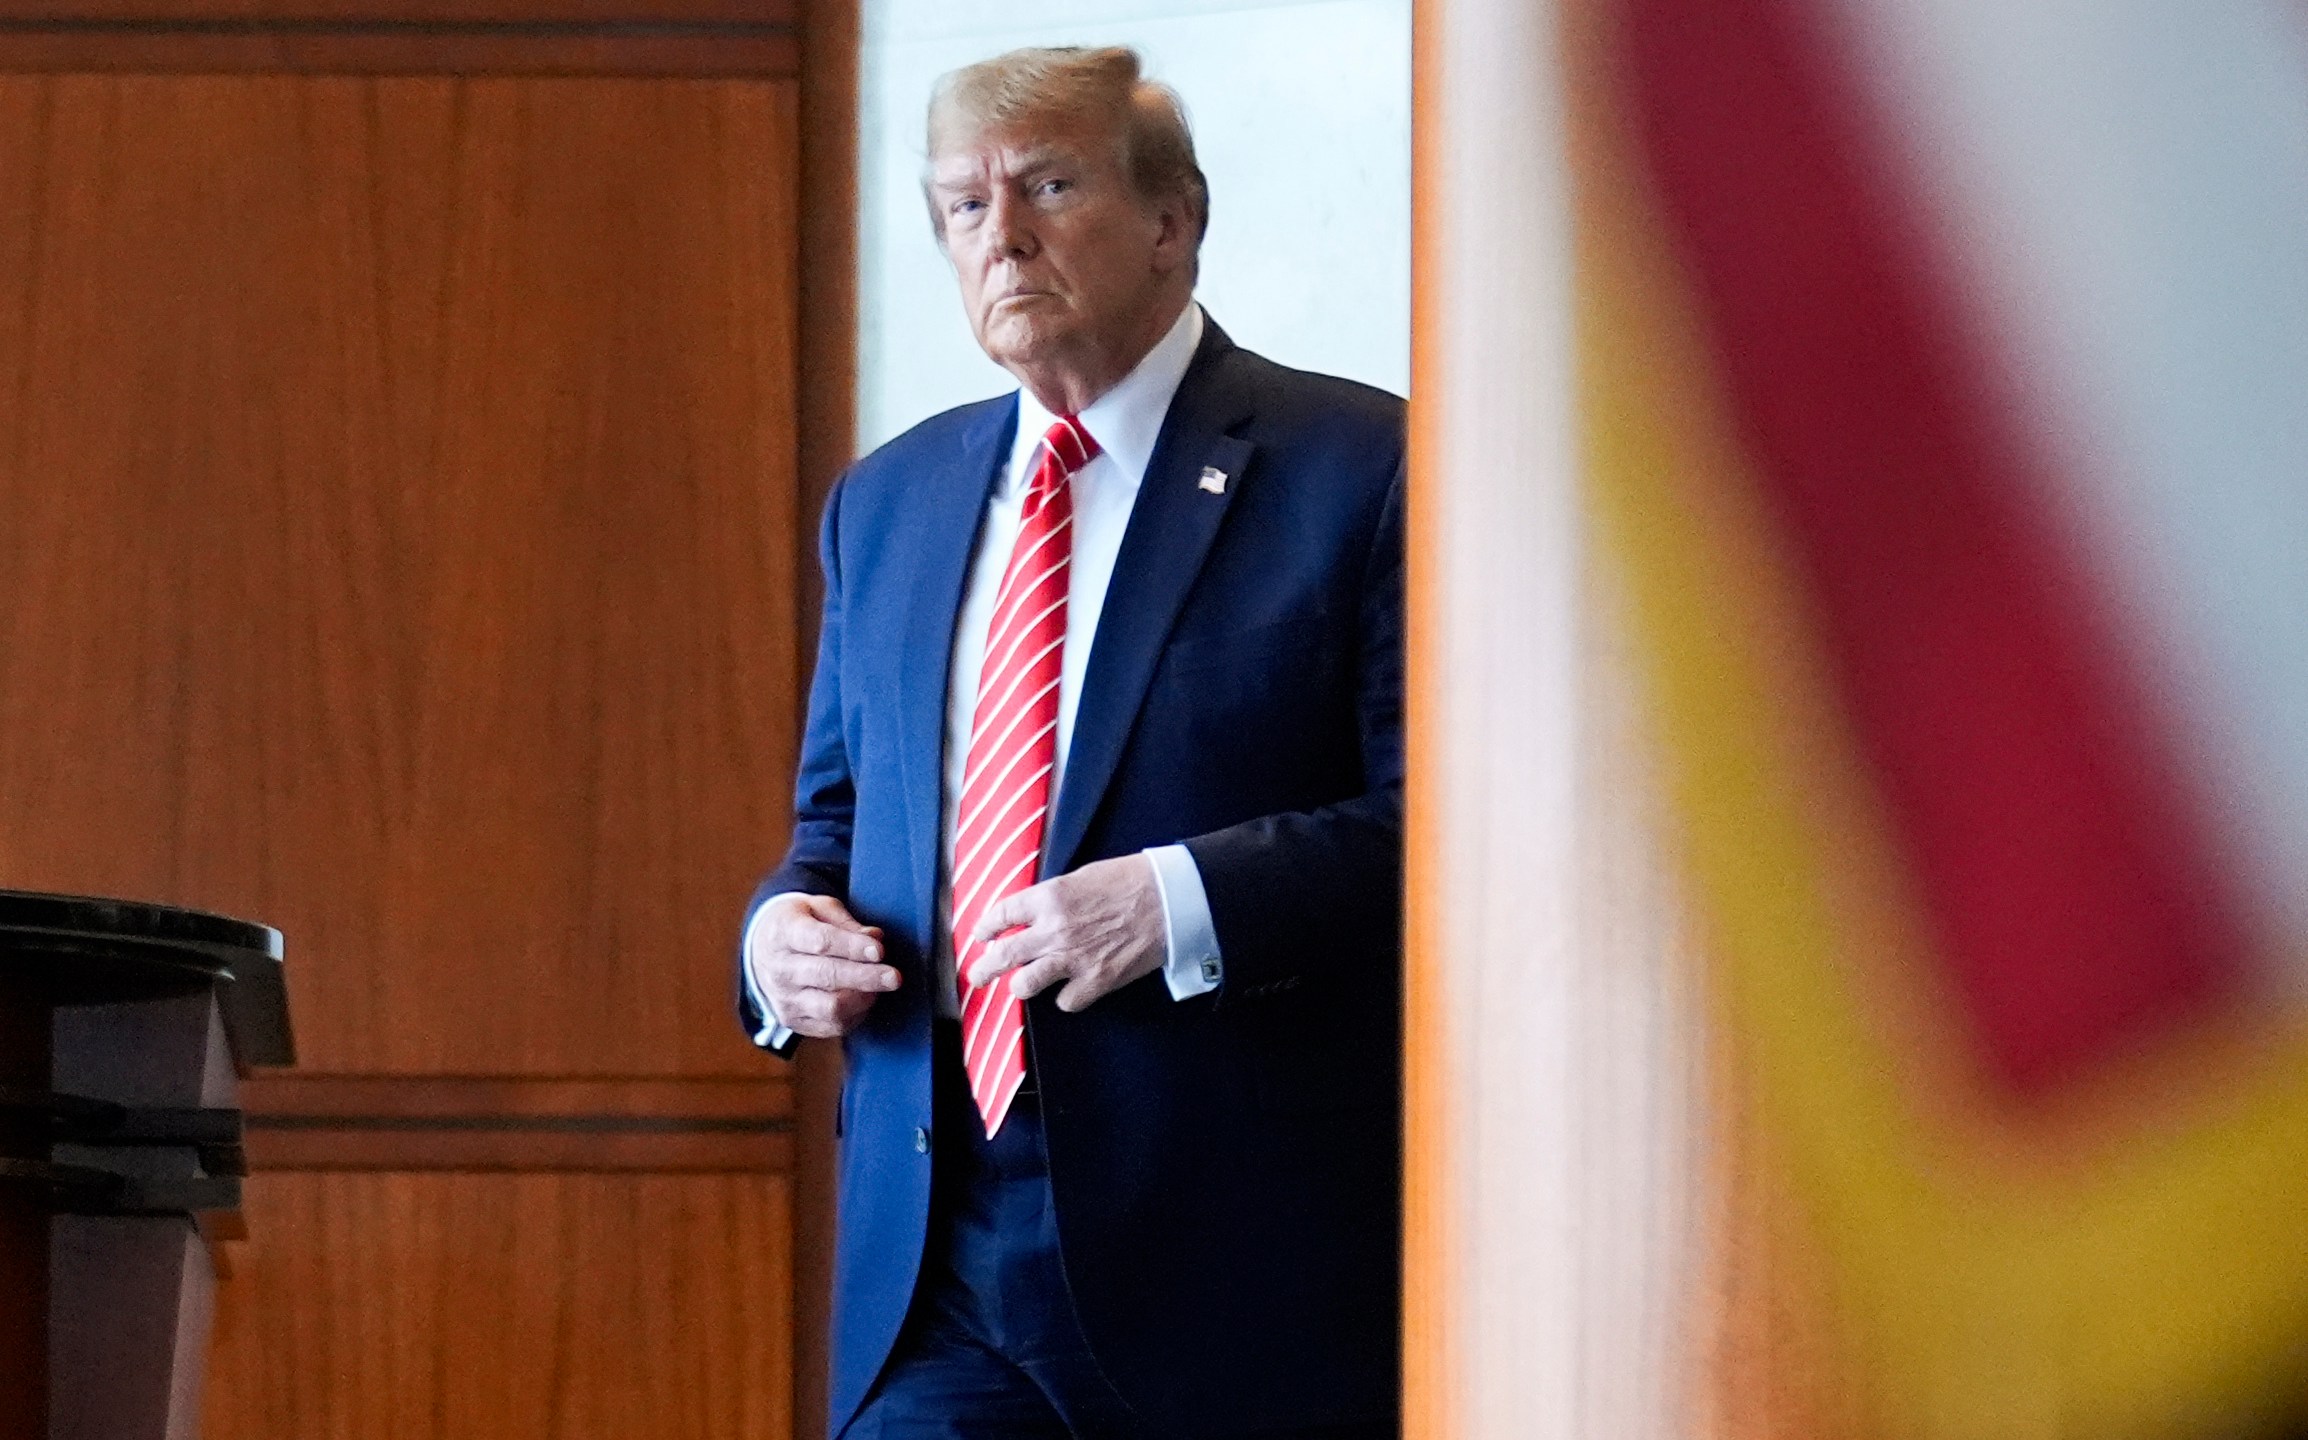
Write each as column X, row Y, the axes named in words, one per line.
column 1059, row 258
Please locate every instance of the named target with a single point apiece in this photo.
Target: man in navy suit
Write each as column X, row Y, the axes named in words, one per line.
column 1175, row 1212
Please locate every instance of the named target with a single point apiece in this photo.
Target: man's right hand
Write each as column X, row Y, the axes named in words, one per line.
column 818, row 968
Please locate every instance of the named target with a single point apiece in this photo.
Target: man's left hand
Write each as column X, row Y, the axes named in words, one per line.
column 1097, row 929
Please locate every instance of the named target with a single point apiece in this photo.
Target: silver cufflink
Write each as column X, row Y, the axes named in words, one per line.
column 1213, row 480
column 1210, row 971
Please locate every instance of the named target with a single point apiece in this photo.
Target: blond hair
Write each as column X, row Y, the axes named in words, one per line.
column 1145, row 116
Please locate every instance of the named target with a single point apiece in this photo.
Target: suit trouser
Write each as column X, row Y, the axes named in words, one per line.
column 991, row 1348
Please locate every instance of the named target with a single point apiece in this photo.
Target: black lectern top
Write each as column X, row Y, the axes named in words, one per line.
column 80, row 950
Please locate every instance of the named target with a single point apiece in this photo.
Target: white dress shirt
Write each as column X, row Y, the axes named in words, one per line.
column 1125, row 421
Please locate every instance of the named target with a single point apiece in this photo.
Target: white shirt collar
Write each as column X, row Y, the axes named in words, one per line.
column 1126, row 420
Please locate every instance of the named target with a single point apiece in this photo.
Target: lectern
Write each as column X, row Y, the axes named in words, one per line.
column 123, row 1029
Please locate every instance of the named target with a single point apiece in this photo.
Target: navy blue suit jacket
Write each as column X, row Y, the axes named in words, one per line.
column 1224, row 1169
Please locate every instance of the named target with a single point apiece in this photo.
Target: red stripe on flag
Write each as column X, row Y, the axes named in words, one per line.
column 2073, row 895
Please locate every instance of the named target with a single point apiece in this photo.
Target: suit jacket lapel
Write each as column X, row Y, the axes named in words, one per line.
column 951, row 505
column 1171, row 527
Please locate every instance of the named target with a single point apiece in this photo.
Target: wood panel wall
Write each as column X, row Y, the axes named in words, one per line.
column 400, row 532
column 469, row 1307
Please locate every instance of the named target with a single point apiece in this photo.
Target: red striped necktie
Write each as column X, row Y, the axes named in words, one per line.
column 1013, row 755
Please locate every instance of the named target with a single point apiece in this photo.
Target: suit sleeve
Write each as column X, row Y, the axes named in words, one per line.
column 824, row 803
column 1294, row 895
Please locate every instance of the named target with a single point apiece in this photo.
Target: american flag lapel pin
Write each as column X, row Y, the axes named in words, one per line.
column 1213, row 480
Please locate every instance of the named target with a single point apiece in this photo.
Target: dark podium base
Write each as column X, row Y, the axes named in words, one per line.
column 122, row 1028
column 23, row 1318
column 23, row 1219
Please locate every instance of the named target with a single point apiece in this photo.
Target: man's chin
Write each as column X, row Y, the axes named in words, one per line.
column 1028, row 340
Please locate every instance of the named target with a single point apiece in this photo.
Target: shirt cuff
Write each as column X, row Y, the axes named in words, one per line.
column 1193, row 966
column 772, row 1035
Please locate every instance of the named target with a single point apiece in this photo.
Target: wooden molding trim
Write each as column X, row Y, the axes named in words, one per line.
column 377, row 1122
column 688, row 49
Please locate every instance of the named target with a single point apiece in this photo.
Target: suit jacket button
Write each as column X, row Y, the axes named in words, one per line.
column 921, row 1141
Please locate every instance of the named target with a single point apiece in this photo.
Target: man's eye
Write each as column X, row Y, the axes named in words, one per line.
column 1056, row 185
column 967, row 207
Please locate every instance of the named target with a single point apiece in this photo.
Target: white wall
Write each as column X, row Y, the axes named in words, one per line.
column 1301, row 116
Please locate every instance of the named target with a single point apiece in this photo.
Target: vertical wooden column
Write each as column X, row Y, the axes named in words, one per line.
column 826, row 376
column 1553, row 1060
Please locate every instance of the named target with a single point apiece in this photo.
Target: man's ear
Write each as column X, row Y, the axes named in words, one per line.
column 1174, row 242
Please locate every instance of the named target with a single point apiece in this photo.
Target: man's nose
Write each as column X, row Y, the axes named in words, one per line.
column 1011, row 228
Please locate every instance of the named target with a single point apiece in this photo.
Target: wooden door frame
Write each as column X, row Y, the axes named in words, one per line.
column 825, row 372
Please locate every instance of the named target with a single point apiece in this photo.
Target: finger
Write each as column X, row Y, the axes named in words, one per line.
column 1031, row 980
column 1014, row 911
column 1006, row 953
column 833, row 912
column 993, row 960
column 796, row 905
column 1083, row 991
column 818, row 937
column 806, row 972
